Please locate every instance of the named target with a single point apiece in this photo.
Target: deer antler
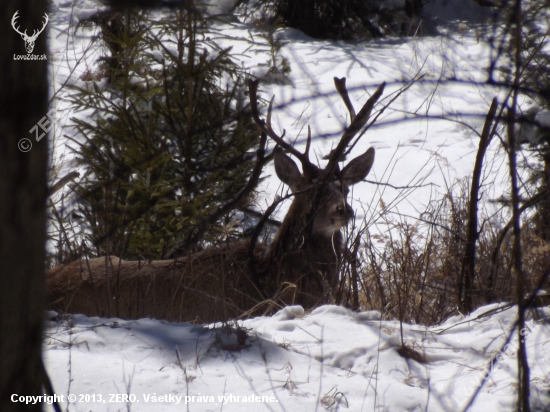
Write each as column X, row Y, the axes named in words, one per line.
column 46, row 20
column 13, row 19
column 308, row 167
column 340, row 85
column 357, row 122
column 24, row 34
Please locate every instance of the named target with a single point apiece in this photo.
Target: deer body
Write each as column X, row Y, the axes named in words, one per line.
column 299, row 266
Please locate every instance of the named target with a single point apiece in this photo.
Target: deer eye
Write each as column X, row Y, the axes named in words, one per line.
column 341, row 210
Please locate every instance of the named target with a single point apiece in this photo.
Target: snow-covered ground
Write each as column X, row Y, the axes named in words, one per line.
column 331, row 359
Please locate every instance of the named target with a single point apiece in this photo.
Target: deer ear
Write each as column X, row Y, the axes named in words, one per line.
column 286, row 169
column 358, row 168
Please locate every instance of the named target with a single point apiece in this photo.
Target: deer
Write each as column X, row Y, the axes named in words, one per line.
column 29, row 40
column 243, row 278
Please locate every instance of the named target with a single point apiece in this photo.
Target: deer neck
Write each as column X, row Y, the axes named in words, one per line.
column 295, row 238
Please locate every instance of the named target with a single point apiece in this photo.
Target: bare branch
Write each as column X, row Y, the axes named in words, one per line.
column 62, row 182
column 259, row 215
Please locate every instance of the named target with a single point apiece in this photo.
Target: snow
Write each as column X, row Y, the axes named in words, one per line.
column 332, row 358
column 296, row 361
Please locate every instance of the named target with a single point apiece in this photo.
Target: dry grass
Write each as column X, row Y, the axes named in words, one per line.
column 412, row 271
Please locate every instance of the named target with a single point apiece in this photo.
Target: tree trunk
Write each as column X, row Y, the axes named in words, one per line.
column 469, row 259
column 23, row 191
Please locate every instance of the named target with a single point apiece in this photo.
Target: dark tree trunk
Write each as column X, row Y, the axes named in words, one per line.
column 468, row 262
column 23, row 190
column 544, row 208
column 413, row 7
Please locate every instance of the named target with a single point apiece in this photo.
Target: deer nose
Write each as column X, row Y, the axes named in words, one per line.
column 345, row 211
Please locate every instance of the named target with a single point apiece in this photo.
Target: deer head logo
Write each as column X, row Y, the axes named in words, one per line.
column 29, row 40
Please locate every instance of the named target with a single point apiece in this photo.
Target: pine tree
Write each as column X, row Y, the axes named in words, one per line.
column 170, row 139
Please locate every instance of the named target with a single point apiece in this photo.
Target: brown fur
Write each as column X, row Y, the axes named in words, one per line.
column 207, row 286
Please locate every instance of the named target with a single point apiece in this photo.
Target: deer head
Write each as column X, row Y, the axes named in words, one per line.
column 329, row 185
column 333, row 211
column 29, row 40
